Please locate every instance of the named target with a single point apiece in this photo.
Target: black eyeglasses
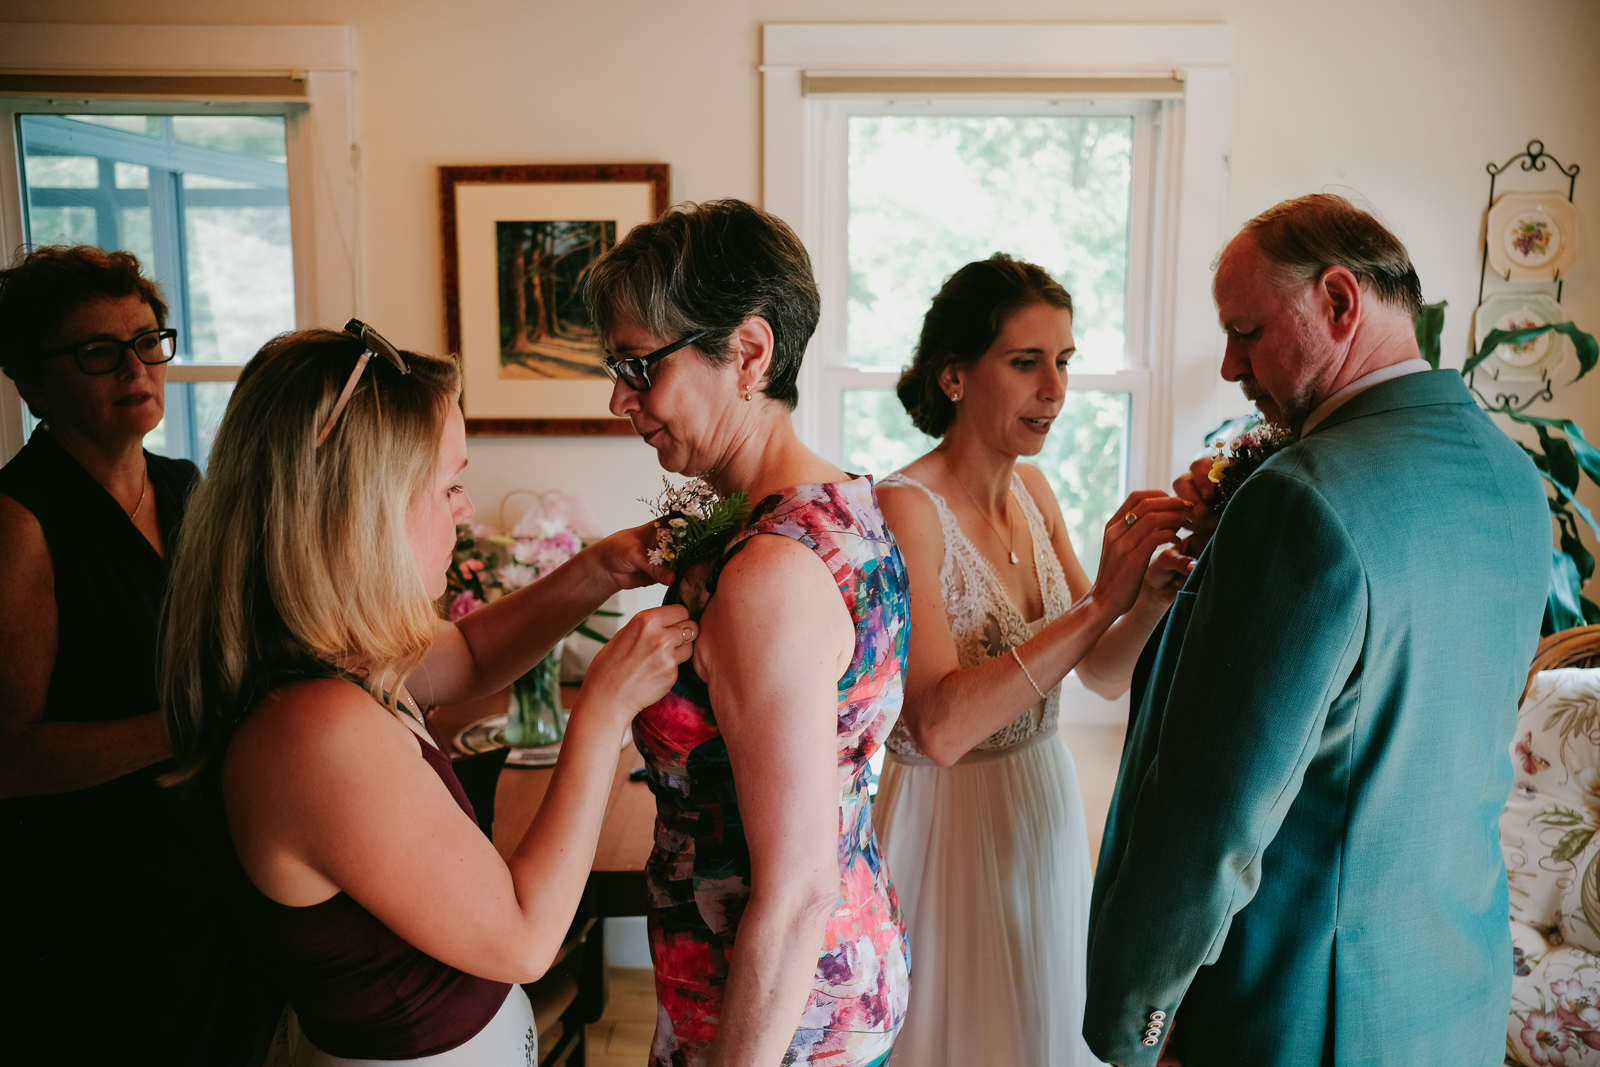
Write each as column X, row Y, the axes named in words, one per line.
column 375, row 345
column 153, row 348
column 634, row 372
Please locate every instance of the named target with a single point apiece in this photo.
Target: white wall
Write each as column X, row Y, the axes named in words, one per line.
column 1400, row 104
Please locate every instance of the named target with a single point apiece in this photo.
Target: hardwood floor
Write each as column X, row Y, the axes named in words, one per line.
column 621, row 1038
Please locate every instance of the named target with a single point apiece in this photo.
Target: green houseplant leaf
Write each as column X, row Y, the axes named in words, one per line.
column 1429, row 326
column 1562, row 610
column 1587, row 455
column 1583, row 344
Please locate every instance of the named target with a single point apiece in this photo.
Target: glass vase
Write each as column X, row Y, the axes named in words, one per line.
column 535, row 716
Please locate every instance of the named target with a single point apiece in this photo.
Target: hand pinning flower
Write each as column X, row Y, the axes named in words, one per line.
column 693, row 523
column 1239, row 458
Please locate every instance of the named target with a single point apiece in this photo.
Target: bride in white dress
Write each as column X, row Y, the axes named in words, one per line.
column 978, row 813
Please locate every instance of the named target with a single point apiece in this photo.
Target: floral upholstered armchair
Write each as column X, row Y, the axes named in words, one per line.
column 1552, row 851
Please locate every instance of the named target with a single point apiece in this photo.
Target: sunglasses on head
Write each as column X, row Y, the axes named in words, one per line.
column 374, row 345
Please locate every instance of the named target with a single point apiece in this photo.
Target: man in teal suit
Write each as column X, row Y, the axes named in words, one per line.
column 1301, row 863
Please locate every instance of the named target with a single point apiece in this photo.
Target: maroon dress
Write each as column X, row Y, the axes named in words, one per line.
column 360, row 991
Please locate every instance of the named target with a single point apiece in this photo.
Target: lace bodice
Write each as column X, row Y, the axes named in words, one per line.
column 983, row 620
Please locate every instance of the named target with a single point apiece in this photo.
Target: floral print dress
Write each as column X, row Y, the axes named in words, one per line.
column 698, row 874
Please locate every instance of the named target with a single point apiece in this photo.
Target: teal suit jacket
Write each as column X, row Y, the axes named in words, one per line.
column 1302, row 861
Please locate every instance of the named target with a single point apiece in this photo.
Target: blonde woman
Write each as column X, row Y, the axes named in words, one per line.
column 979, row 809
column 302, row 647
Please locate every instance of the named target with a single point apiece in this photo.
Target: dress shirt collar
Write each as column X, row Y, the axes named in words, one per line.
column 1361, row 385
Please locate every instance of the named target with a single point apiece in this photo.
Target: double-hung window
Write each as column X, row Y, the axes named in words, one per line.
column 230, row 175
column 1099, row 152
column 203, row 202
column 933, row 183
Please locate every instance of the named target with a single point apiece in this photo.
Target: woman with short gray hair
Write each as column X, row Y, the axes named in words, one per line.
column 758, row 756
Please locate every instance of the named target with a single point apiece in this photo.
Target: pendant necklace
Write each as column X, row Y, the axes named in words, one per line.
column 1011, row 526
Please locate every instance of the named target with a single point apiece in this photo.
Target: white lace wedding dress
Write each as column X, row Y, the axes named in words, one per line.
column 990, row 857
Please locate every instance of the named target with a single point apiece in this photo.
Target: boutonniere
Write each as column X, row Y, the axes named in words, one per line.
column 1238, row 458
column 693, row 523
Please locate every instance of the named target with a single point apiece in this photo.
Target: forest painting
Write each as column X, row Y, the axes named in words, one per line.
column 545, row 331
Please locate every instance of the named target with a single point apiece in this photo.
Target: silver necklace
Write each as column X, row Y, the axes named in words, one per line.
column 1011, row 525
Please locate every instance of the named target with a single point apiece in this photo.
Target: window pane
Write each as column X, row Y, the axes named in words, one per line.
column 929, row 193
column 63, row 172
column 194, row 411
column 1084, row 459
column 62, row 226
column 203, row 202
column 241, row 280
column 136, row 236
column 206, row 181
column 144, row 125
column 255, row 136
column 210, row 403
column 132, row 176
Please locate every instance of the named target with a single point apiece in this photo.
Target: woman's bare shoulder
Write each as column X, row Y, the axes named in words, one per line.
column 307, row 723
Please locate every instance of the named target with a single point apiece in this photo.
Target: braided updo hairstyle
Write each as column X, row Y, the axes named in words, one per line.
column 963, row 321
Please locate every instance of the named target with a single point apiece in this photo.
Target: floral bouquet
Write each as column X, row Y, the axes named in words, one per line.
column 693, row 526
column 693, row 523
column 486, row 566
column 1238, row 458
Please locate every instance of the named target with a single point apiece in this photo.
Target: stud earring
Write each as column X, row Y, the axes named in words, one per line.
column 748, row 396
column 955, row 396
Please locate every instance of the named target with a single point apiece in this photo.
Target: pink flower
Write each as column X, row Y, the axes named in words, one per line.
column 1573, row 995
column 1546, row 1039
column 471, row 566
column 464, row 604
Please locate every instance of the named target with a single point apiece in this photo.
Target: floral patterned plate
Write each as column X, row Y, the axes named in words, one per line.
column 1533, row 237
column 490, row 734
column 1533, row 360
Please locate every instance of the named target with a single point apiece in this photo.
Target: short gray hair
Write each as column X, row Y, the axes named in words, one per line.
column 1304, row 237
column 706, row 269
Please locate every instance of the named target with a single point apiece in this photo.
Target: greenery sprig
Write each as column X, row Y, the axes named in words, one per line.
column 693, row 523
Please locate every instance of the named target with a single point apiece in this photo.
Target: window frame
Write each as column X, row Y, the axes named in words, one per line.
column 1189, row 182
column 1177, row 394
column 832, row 375
column 318, row 132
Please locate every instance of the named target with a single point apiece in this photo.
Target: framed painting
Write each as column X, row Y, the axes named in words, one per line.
column 518, row 240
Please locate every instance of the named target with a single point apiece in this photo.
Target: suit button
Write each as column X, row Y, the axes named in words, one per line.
column 1157, row 1016
column 1150, row 1041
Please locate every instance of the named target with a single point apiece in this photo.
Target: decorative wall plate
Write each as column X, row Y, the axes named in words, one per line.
column 1513, row 311
column 1533, row 237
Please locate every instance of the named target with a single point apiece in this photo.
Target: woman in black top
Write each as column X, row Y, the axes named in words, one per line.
column 116, row 940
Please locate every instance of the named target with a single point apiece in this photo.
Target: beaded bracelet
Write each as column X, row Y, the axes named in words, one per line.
column 1026, row 673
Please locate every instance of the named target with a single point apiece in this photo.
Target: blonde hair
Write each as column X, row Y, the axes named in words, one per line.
column 293, row 559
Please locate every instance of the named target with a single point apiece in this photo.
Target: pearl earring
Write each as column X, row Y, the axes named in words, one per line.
column 955, row 396
column 748, row 396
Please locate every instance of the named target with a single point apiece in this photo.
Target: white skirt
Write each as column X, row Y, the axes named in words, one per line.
column 991, row 863
column 510, row 1039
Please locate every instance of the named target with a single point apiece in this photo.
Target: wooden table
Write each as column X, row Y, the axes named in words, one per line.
column 576, row 988
column 625, row 837
column 617, row 877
